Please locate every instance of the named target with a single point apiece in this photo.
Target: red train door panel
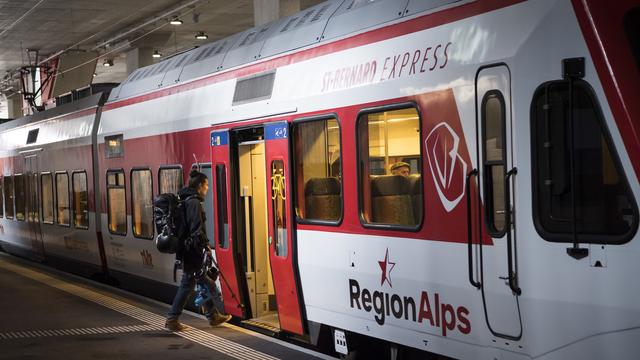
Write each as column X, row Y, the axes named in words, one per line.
column 281, row 250
column 223, row 233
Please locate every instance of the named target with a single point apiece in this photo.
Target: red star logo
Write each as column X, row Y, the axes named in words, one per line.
column 386, row 267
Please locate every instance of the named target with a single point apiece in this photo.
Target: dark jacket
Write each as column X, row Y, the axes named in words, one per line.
column 196, row 240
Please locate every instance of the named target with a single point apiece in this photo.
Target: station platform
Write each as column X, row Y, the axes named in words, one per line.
column 47, row 314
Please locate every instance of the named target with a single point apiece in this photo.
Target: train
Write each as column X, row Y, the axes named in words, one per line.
column 513, row 234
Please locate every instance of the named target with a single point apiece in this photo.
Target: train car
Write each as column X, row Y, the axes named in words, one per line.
column 47, row 168
column 511, row 234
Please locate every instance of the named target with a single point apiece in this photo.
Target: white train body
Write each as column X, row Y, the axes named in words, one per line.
column 434, row 287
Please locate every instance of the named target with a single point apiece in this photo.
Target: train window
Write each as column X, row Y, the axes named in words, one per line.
column 221, row 195
column 632, row 28
column 318, row 170
column 1, row 198
column 142, row 203
column 278, row 196
column 46, row 184
column 170, row 179
column 80, row 200
column 116, row 203
column 8, row 197
column 494, row 157
column 389, row 167
column 580, row 192
column 18, row 183
column 113, row 146
column 62, row 199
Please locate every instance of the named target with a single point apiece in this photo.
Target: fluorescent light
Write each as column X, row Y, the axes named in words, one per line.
column 107, row 63
column 394, row 120
column 156, row 54
column 402, row 119
column 201, row 36
column 175, row 21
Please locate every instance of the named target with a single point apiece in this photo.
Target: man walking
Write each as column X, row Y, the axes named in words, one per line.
column 193, row 256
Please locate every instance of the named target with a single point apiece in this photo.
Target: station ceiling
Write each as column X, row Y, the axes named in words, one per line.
column 54, row 26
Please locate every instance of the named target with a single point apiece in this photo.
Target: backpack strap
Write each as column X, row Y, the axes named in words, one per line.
column 189, row 197
column 189, row 237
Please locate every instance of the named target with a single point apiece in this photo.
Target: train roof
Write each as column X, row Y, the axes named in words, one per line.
column 321, row 23
column 58, row 111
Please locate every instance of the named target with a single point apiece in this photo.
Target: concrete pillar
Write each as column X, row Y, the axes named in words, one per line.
column 305, row 4
column 265, row 11
column 289, row 7
column 138, row 57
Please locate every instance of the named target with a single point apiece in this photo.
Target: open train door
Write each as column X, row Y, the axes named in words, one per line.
column 223, row 234
column 281, row 244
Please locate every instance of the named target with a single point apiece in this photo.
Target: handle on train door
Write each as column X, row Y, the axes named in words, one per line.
column 473, row 282
column 513, row 276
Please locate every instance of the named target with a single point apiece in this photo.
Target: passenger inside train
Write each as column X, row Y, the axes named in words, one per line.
column 390, row 140
column 400, row 168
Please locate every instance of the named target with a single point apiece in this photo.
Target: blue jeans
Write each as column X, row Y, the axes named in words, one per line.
column 186, row 289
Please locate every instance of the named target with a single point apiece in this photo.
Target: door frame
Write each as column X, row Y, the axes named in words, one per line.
column 30, row 173
column 234, row 290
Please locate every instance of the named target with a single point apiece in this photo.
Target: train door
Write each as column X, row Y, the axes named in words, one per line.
column 496, row 175
column 32, row 208
column 225, row 248
column 280, row 238
column 253, row 225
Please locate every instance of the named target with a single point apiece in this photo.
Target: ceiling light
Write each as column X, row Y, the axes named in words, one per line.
column 156, row 54
column 201, row 36
column 107, row 63
column 175, row 21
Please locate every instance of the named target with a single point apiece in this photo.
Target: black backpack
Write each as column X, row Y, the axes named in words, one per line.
column 171, row 225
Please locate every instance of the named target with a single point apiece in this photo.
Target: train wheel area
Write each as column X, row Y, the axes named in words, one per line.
column 48, row 314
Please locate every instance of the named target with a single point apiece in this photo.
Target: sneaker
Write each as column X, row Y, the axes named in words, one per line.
column 218, row 319
column 174, row 325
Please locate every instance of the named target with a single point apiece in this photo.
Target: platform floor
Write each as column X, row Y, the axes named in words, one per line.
column 46, row 314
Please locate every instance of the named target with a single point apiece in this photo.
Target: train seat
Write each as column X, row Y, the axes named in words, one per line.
column 391, row 200
column 322, row 199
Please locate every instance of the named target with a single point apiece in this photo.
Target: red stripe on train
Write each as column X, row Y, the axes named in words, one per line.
column 602, row 26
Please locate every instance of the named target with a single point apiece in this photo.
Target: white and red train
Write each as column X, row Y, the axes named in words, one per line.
column 514, row 237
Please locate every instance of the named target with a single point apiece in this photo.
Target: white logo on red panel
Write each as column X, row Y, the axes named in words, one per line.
column 447, row 166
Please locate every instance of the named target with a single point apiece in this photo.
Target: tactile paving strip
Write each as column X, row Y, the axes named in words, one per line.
column 203, row 338
column 26, row 334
